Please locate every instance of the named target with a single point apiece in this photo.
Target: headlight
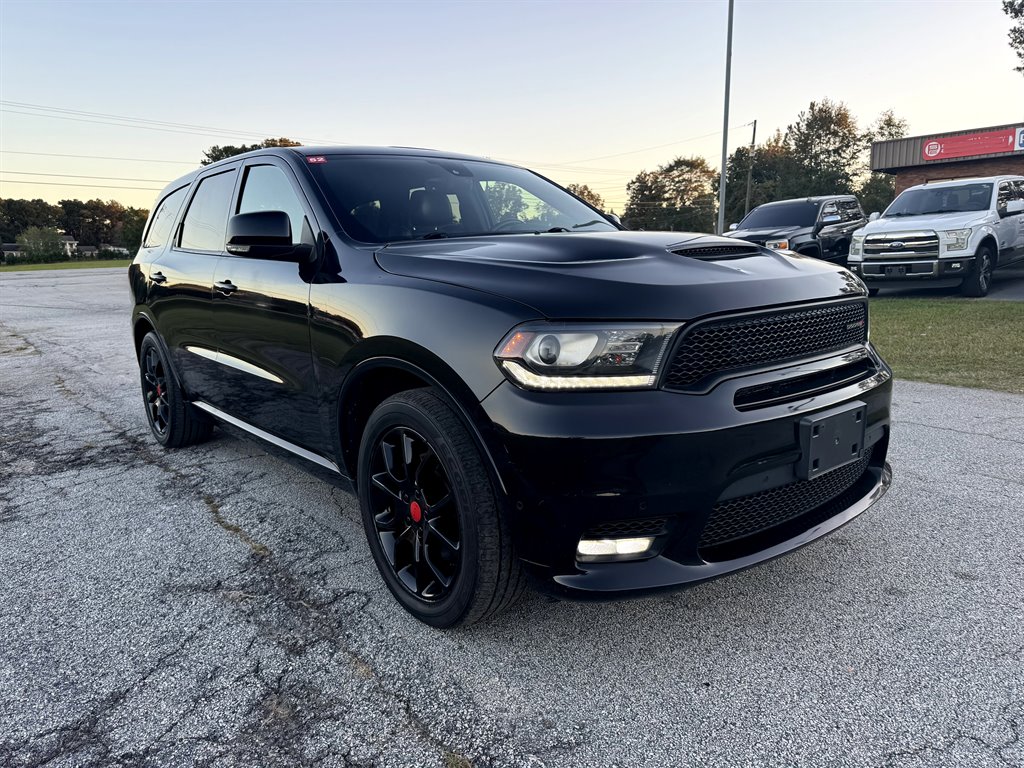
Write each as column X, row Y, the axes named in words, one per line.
column 553, row 356
column 778, row 245
column 957, row 239
column 856, row 243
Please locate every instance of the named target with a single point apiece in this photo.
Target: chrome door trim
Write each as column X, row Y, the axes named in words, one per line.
column 234, row 362
column 272, row 439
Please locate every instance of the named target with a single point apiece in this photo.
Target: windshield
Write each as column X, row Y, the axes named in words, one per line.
column 384, row 198
column 959, row 199
column 795, row 214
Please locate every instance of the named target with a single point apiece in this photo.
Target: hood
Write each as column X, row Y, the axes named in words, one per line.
column 764, row 234
column 618, row 275
column 928, row 222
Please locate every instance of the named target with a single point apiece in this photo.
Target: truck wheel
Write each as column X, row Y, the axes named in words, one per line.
column 978, row 282
column 174, row 421
column 431, row 515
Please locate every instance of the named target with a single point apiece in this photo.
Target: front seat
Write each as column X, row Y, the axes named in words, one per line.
column 429, row 211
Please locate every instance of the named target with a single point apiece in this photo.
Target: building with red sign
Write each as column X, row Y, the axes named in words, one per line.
column 955, row 155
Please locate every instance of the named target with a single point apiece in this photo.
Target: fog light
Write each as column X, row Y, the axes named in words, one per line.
column 613, row 549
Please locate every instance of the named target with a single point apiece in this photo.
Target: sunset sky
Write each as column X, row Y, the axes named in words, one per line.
column 586, row 92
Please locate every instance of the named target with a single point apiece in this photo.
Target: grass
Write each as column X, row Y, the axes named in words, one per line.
column 960, row 342
column 122, row 263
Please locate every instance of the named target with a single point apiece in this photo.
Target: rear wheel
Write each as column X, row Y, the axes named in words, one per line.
column 174, row 421
column 980, row 280
column 431, row 515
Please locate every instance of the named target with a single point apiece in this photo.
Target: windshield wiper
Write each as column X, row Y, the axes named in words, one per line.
column 557, row 229
column 586, row 224
column 434, row 235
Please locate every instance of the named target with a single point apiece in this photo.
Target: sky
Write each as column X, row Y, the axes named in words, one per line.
column 583, row 92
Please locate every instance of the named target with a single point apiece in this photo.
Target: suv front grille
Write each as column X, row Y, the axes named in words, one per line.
column 733, row 343
column 914, row 245
column 745, row 516
column 628, row 528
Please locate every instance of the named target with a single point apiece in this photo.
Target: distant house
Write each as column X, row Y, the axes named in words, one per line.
column 114, row 248
column 11, row 250
column 87, row 251
column 70, row 245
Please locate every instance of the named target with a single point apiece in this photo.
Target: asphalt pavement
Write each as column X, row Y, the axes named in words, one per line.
column 218, row 606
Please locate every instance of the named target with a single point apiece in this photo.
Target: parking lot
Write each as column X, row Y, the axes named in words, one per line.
column 218, row 605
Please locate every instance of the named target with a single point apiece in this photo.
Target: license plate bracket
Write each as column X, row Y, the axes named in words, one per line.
column 898, row 270
column 831, row 439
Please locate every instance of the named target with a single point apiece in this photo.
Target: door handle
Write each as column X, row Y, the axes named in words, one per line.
column 158, row 277
column 226, row 287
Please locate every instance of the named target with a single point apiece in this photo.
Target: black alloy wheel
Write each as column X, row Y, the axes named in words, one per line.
column 174, row 421
column 415, row 514
column 432, row 519
column 154, row 389
column 978, row 282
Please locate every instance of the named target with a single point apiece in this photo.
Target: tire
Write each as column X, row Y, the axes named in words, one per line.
column 979, row 281
column 873, row 291
column 431, row 514
column 173, row 420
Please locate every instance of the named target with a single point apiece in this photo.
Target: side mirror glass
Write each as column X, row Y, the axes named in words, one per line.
column 262, row 235
column 874, row 215
column 614, row 219
column 1014, row 206
column 831, row 218
column 733, row 227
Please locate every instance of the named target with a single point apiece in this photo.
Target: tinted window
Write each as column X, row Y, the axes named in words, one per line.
column 163, row 220
column 381, row 198
column 268, row 189
column 797, row 214
column 850, row 210
column 207, row 218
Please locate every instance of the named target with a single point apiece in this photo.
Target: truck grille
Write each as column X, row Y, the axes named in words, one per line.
column 733, row 343
column 902, row 245
column 745, row 516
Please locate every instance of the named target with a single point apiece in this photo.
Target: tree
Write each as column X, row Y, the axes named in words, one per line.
column 776, row 175
column 505, row 200
column 134, row 222
column 215, row 153
column 18, row 215
column 828, row 146
column 41, row 245
column 679, row 196
column 877, row 190
column 586, row 193
column 1015, row 10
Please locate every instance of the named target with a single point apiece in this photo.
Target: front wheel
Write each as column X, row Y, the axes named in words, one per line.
column 431, row 515
column 980, row 280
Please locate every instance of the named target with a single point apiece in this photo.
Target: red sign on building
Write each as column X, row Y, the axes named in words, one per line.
column 969, row 144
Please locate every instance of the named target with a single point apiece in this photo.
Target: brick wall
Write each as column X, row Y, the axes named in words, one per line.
column 991, row 166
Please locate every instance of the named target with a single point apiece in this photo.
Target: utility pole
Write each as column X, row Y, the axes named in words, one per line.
column 750, row 168
column 725, row 127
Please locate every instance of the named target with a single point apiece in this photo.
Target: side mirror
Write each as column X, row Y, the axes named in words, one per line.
column 263, row 235
column 614, row 219
column 874, row 215
column 733, row 227
column 1014, row 206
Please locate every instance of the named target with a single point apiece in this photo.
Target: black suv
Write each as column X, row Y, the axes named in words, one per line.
column 821, row 227
column 512, row 383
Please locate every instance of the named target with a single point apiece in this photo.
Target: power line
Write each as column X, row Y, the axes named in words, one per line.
column 99, row 157
column 81, row 176
column 86, row 186
column 145, row 123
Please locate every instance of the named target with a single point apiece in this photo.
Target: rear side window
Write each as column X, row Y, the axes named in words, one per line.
column 207, row 218
column 163, row 220
column 268, row 189
column 850, row 210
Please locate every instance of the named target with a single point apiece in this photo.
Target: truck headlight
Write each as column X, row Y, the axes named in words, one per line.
column 957, row 239
column 554, row 356
column 856, row 244
column 777, row 245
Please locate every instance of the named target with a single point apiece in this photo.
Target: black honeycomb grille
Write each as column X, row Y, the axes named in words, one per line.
column 713, row 252
column 734, row 343
column 747, row 515
column 619, row 529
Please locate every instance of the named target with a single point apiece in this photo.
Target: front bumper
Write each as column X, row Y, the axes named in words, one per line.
column 876, row 271
column 577, row 463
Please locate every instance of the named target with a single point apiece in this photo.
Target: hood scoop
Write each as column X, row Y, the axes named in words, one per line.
column 717, row 252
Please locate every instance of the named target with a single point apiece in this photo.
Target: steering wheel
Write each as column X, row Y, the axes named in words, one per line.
column 504, row 224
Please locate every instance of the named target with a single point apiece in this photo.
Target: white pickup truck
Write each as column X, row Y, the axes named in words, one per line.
column 956, row 232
